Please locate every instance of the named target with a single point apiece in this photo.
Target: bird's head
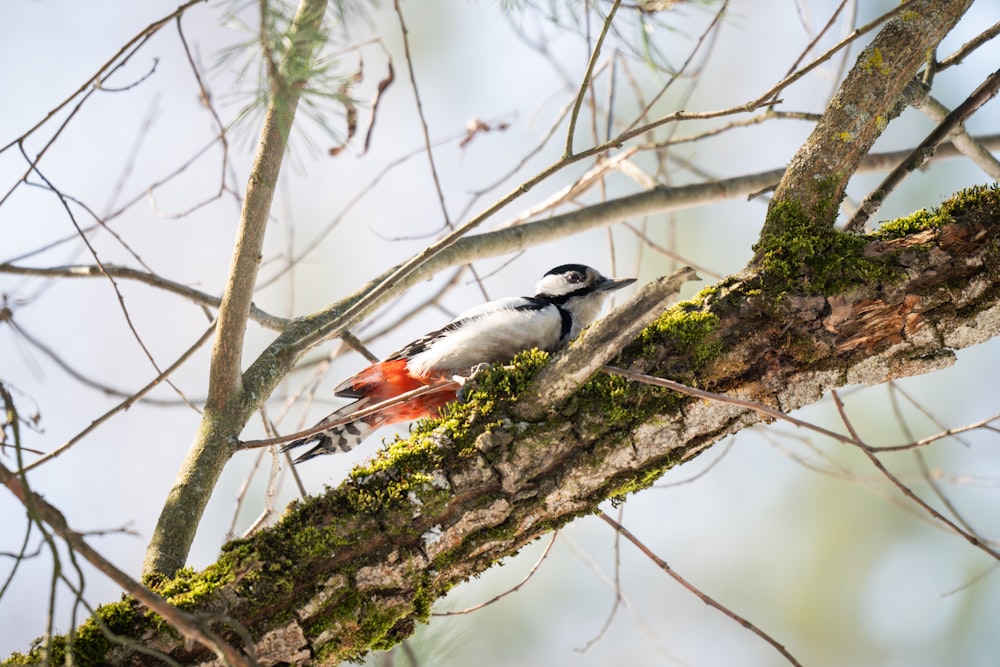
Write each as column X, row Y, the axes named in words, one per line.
column 570, row 281
column 579, row 290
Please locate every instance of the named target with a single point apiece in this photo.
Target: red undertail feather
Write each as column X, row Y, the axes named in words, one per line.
column 388, row 379
column 378, row 383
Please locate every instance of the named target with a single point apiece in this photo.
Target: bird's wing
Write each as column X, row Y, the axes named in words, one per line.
column 460, row 344
column 508, row 303
column 390, row 373
column 487, row 335
column 421, row 344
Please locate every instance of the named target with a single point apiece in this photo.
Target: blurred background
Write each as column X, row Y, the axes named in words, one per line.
column 796, row 533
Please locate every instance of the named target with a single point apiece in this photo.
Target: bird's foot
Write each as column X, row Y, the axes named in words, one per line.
column 467, row 380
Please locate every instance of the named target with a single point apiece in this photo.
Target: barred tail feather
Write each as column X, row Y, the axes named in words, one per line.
column 340, row 438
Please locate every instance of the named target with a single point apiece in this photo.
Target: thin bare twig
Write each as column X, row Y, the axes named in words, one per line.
column 513, row 589
column 206, row 100
column 970, row 46
column 114, row 285
column 970, row 537
column 662, row 564
column 947, row 433
column 711, row 29
column 124, row 405
column 731, row 400
column 619, row 596
column 587, row 78
column 819, row 35
column 74, row 373
column 960, row 137
column 778, row 414
column 666, row 252
column 420, row 113
column 894, row 391
column 263, row 318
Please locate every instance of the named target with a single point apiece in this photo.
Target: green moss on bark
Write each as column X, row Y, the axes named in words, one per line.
column 807, row 258
column 89, row 643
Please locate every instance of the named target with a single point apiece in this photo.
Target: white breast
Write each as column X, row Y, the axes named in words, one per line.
column 493, row 332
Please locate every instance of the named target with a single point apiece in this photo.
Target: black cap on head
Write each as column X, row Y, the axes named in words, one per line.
column 563, row 268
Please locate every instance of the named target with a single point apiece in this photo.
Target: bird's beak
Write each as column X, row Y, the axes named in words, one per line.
column 612, row 284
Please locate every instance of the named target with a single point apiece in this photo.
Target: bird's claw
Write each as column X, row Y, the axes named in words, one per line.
column 466, row 381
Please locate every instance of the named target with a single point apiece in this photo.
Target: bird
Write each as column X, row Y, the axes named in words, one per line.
column 566, row 300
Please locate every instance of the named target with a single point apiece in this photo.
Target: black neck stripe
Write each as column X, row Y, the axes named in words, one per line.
column 567, row 323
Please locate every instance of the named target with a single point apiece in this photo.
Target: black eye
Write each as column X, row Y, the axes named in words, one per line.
column 575, row 277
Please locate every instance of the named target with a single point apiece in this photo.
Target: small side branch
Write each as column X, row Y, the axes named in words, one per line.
column 663, row 565
column 876, row 83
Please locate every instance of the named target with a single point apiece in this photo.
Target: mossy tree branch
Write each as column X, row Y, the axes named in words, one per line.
column 881, row 74
column 356, row 568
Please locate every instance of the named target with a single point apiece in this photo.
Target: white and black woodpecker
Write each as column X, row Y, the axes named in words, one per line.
column 567, row 299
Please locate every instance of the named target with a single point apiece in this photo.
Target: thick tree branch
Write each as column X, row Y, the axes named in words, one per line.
column 356, row 568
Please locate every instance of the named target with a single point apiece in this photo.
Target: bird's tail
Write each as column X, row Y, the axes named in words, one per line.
column 384, row 388
column 340, row 438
